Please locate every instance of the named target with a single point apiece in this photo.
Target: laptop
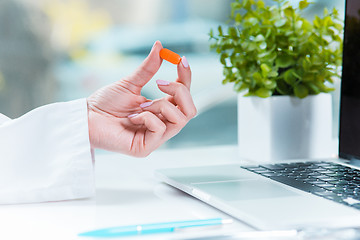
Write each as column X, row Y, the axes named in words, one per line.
column 293, row 194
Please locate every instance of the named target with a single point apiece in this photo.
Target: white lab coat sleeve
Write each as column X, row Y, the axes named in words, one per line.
column 45, row 155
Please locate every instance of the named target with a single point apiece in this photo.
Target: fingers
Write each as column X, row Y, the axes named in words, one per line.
column 146, row 70
column 153, row 135
column 181, row 96
column 168, row 110
column 173, row 118
column 184, row 72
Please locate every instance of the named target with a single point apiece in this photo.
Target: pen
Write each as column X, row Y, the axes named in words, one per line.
column 154, row 228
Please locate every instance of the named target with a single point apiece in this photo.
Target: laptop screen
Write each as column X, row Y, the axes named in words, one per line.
column 349, row 136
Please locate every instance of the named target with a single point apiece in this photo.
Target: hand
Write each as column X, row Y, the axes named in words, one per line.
column 122, row 120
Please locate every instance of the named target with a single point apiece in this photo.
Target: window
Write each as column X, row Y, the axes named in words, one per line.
column 59, row 50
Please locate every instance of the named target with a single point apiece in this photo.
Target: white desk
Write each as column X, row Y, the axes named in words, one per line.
column 127, row 194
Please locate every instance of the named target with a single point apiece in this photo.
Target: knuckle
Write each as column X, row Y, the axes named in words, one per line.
column 162, row 127
column 146, row 69
column 179, row 88
column 147, row 114
column 182, row 89
column 162, row 102
column 159, row 105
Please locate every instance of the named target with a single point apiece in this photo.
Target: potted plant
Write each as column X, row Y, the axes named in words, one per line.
column 286, row 65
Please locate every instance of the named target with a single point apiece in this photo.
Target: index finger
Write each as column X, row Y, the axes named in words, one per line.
column 184, row 73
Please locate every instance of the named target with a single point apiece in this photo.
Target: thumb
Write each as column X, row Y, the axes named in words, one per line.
column 148, row 68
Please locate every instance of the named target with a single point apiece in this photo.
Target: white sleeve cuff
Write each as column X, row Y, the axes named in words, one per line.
column 46, row 155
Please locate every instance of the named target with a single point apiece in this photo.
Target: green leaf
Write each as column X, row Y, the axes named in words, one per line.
column 232, row 32
column 289, row 12
column 252, row 21
column 227, row 71
column 265, row 69
column 211, row 33
column 279, row 23
column 259, row 38
column 239, row 87
column 338, row 26
column 326, row 12
column 298, row 24
column 257, row 77
column 327, row 22
column 308, row 77
column 238, row 18
column 272, row 56
column 322, row 87
column 236, row 6
column 273, row 74
column 284, row 61
column 252, row 46
column 306, row 26
column 268, row 33
column 303, row 4
column 220, row 31
column 234, row 59
column 312, row 87
column 289, row 77
column 294, row 73
column 301, row 91
column 244, row 3
column 263, row 92
column 260, row 4
column 263, row 46
column 265, row 54
column 223, row 57
column 270, row 84
column 283, row 88
column 317, row 22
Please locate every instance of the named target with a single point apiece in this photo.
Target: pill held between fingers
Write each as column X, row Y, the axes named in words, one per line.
column 170, row 56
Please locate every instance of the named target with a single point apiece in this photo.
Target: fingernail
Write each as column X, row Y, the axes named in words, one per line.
column 162, row 82
column 133, row 115
column 184, row 62
column 145, row 104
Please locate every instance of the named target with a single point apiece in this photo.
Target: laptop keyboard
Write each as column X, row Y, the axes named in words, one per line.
column 325, row 179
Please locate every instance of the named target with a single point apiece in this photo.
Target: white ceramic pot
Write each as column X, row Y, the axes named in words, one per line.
column 284, row 127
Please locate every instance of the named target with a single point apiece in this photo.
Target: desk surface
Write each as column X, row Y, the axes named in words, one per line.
column 127, row 194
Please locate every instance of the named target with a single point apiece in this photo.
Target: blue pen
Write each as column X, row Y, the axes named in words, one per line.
column 166, row 227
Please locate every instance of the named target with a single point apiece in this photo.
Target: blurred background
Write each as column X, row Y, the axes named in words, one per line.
column 60, row 50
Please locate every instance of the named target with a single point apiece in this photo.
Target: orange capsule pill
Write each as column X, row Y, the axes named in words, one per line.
column 170, row 56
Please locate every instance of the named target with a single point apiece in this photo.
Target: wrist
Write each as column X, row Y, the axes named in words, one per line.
column 92, row 127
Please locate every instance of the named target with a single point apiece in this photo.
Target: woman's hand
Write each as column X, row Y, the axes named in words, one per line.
column 122, row 120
